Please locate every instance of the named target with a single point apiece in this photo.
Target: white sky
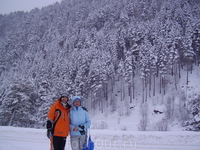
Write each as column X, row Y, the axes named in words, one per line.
column 7, row 6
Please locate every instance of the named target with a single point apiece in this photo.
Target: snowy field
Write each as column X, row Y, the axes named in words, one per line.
column 14, row 138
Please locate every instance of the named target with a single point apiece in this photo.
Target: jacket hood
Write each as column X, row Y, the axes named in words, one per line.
column 76, row 98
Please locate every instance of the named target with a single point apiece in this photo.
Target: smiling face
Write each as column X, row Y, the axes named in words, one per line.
column 77, row 103
column 64, row 99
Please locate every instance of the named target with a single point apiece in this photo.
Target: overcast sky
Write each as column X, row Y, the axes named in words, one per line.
column 7, row 6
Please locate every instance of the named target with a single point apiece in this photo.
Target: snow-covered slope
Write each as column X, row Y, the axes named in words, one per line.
column 162, row 112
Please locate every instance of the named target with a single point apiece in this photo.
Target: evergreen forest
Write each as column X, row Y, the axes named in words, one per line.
column 115, row 54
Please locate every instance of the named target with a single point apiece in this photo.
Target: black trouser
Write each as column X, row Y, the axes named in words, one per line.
column 59, row 142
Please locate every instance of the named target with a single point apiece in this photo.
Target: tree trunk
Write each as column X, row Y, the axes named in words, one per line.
column 12, row 117
column 130, row 92
column 164, row 86
column 99, row 100
column 160, row 83
column 122, row 86
column 154, row 84
column 179, row 69
column 175, row 76
column 150, row 84
column 187, row 73
column 106, row 93
column 133, row 87
column 102, row 105
column 146, row 89
column 143, row 90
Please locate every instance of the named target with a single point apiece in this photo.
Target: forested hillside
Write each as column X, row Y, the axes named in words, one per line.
column 115, row 54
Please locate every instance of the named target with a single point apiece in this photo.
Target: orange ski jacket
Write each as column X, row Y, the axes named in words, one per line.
column 59, row 116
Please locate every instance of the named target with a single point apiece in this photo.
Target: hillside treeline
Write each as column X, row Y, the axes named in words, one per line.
column 86, row 46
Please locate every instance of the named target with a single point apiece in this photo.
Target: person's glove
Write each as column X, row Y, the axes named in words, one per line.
column 49, row 133
column 49, row 129
column 82, row 129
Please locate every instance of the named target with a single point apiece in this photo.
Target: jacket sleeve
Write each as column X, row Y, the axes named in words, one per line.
column 71, row 127
column 70, row 122
column 87, row 120
column 51, row 113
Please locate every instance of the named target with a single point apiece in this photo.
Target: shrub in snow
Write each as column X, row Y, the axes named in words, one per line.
column 144, row 117
column 170, row 106
column 194, row 123
column 183, row 111
column 124, row 128
column 99, row 125
column 161, row 125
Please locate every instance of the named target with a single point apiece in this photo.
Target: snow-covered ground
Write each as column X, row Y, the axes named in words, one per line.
column 14, row 138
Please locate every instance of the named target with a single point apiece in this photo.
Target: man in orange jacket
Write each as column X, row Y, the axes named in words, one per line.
column 58, row 123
